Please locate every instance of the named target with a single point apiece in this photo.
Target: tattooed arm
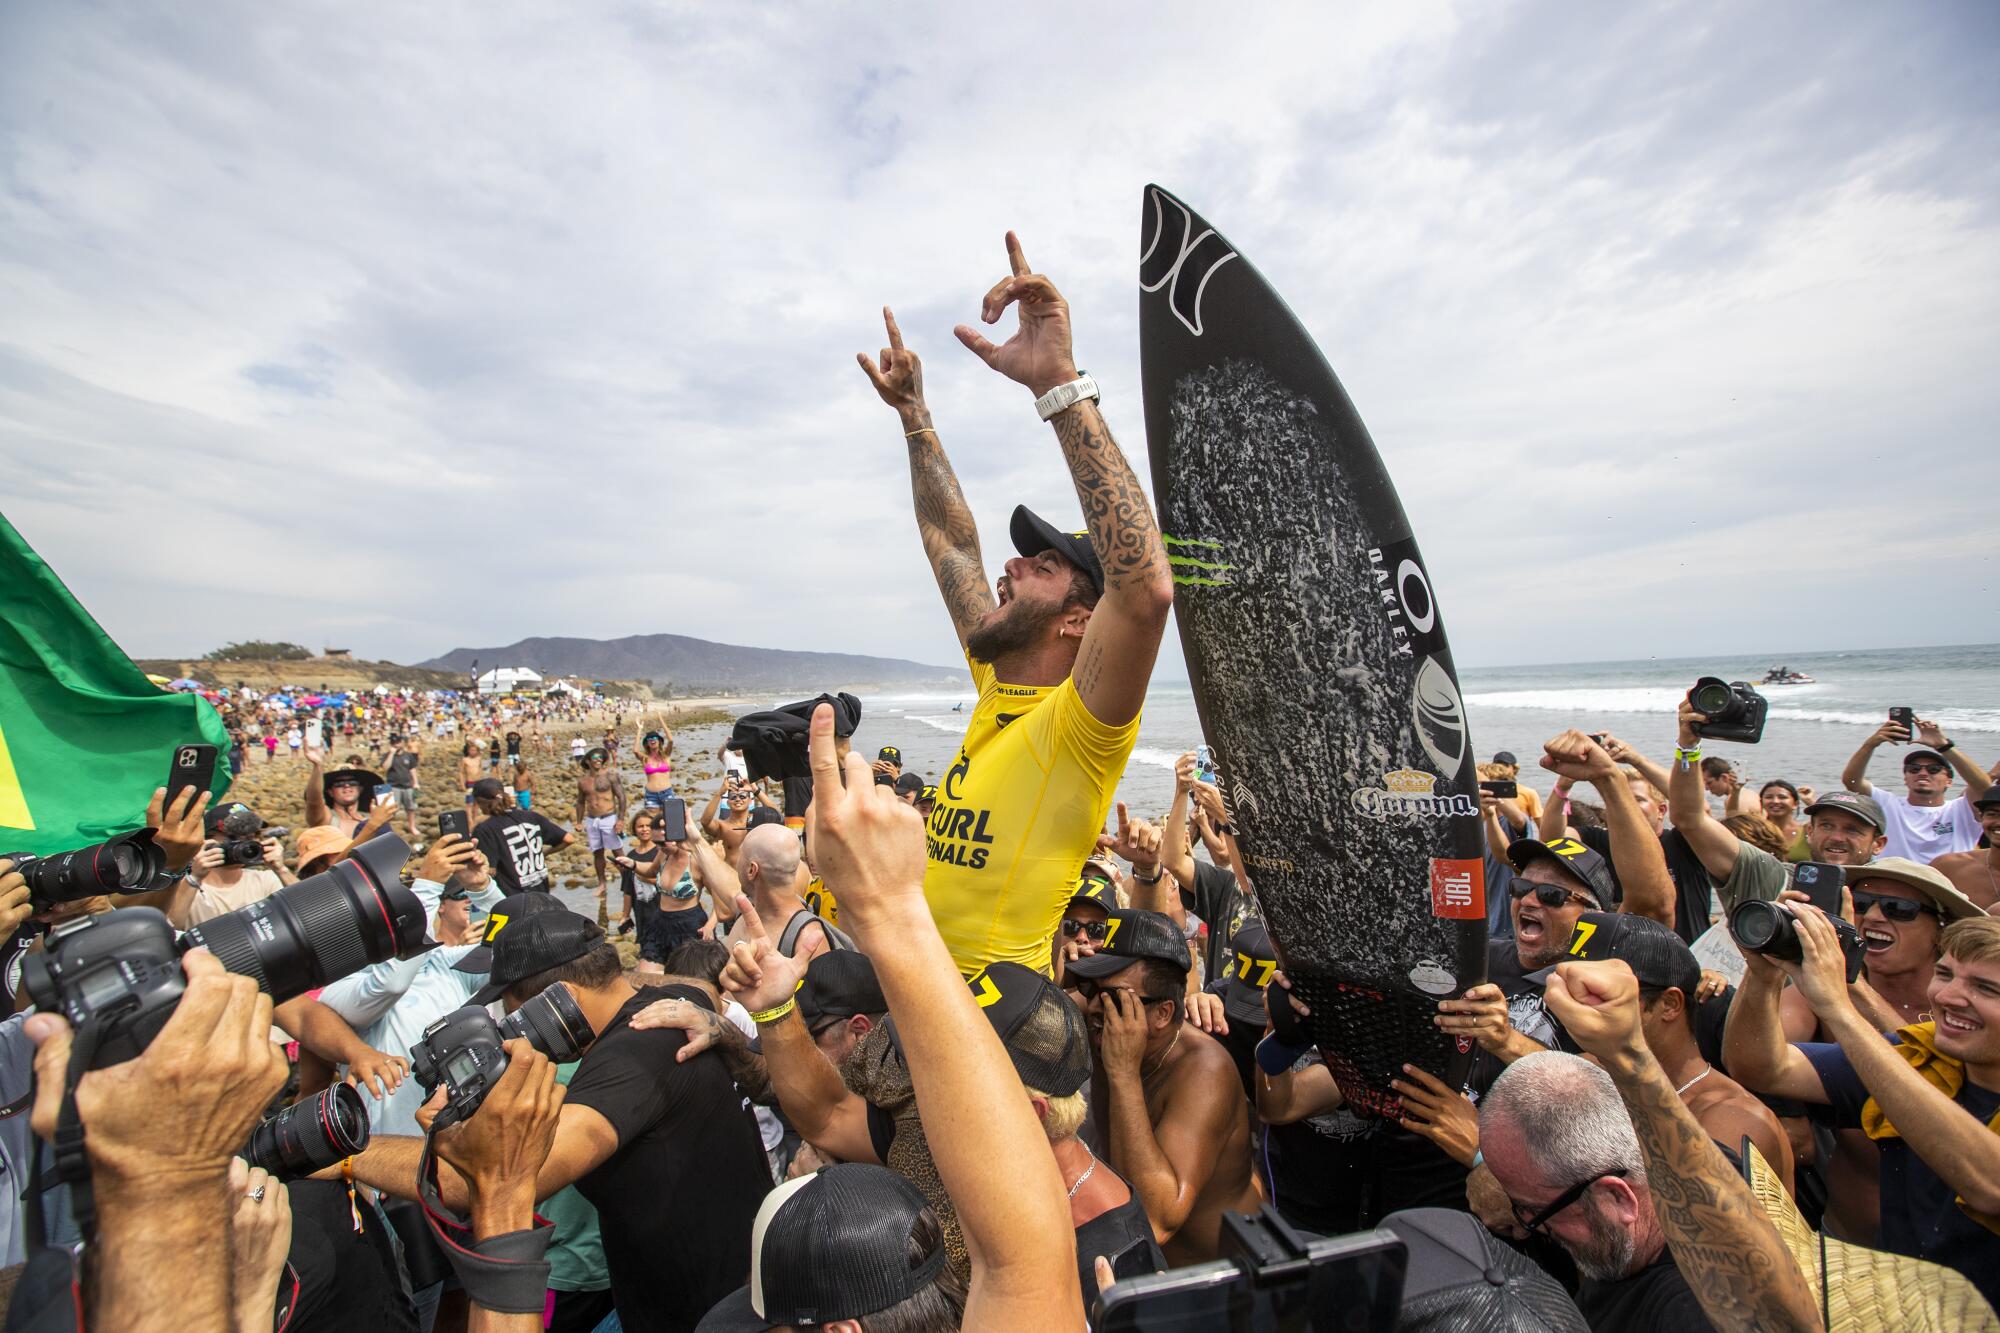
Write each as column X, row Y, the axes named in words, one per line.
column 1723, row 1244
column 944, row 520
column 1122, row 637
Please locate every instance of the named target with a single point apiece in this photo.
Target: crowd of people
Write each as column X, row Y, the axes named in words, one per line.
column 883, row 1054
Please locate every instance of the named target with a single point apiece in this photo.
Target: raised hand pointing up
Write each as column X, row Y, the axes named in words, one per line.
column 1038, row 355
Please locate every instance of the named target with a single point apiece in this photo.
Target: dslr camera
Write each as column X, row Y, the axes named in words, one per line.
column 128, row 863
column 311, row 1135
column 1767, row 928
column 1735, row 711
column 248, row 851
column 121, row 970
column 464, row 1050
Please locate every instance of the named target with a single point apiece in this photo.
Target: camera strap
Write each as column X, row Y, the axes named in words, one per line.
column 508, row 1273
column 72, row 1157
column 48, row 1298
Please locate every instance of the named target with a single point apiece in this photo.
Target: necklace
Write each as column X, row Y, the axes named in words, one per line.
column 1088, row 1171
column 1143, row 1075
column 1706, row 1070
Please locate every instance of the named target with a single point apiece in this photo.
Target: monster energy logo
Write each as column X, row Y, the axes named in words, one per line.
column 1190, row 570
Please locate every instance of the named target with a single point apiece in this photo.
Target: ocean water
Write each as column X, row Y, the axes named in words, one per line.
column 1811, row 731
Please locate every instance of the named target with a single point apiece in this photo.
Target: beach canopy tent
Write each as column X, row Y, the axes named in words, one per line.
column 509, row 680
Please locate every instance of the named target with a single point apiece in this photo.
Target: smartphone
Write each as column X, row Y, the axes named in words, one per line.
column 453, row 821
column 1599, row 737
column 1821, row 883
column 1906, row 718
column 384, row 792
column 1505, row 788
column 1204, row 765
column 674, row 818
column 192, row 766
column 734, row 762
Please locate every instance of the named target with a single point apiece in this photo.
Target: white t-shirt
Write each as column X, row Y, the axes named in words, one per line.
column 1925, row 832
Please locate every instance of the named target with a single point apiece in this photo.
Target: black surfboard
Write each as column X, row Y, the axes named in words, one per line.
column 1318, row 659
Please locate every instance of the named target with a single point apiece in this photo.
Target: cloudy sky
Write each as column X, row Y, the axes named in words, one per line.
column 407, row 327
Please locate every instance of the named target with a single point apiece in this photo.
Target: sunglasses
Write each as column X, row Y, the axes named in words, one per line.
column 1548, row 895
column 1090, row 988
column 1895, row 909
column 1095, row 930
column 1535, row 1222
column 1924, row 768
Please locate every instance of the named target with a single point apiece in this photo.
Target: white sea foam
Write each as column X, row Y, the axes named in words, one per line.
column 1665, row 699
column 952, row 722
column 1146, row 754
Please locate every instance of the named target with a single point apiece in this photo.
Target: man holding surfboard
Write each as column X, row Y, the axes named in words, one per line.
column 1061, row 649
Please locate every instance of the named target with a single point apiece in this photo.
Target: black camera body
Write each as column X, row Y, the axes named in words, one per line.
column 122, row 969
column 465, row 1050
column 1766, row 928
column 1735, row 711
column 128, row 863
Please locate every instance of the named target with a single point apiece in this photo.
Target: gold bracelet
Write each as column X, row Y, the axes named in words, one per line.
column 773, row 1015
column 912, row 434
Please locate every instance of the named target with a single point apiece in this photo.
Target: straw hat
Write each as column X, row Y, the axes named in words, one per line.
column 1862, row 1289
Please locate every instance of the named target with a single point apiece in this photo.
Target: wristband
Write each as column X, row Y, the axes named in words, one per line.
column 773, row 1015
column 1947, row 747
column 1275, row 1057
column 1688, row 756
column 1066, row 395
column 1138, row 878
column 1225, row 829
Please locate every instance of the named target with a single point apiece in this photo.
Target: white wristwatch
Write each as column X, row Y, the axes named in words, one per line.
column 1066, row 395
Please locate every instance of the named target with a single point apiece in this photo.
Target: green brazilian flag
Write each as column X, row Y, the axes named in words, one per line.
column 85, row 737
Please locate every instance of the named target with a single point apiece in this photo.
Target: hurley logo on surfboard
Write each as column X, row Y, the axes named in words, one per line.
column 1177, row 254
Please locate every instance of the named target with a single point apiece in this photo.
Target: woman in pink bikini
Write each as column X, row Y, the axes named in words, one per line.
column 656, row 757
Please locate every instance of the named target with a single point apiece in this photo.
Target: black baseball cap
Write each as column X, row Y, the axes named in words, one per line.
column 1506, row 757
column 1591, row 869
column 1991, row 796
column 1656, row 955
column 831, row 1245
column 927, row 795
column 1091, row 888
column 890, row 753
column 1921, row 753
column 488, row 788
column 1460, row 1278
column 840, row 983
column 243, row 820
column 1251, row 966
column 909, row 785
column 1133, row 934
column 761, row 814
column 542, row 944
column 1043, row 1032
column 1854, row 803
column 1034, row 534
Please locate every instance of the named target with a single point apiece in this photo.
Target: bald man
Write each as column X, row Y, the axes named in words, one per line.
column 769, row 865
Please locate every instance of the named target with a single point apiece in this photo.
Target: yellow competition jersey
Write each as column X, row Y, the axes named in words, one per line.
column 1017, row 813
column 819, row 900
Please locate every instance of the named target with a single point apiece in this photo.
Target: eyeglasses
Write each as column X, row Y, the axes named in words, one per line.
column 1094, row 929
column 1895, row 909
column 1923, row 768
column 1090, row 988
column 1536, row 1221
column 1548, row 895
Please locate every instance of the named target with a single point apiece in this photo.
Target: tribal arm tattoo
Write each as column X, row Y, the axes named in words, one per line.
column 1115, row 508
column 1725, row 1247
column 944, row 521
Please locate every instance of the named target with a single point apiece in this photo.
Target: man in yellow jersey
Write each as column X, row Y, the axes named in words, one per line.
column 1060, row 649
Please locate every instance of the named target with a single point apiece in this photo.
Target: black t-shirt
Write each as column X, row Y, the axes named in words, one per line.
column 1656, row 1297
column 1122, row 1235
column 1223, row 906
column 677, row 1199
column 513, row 842
column 1690, row 876
column 1525, row 1011
column 402, row 769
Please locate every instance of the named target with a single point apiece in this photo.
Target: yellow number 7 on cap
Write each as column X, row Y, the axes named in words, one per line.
column 1580, row 936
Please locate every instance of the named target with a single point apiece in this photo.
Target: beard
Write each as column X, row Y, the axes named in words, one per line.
column 1018, row 627
column 1607, row 1256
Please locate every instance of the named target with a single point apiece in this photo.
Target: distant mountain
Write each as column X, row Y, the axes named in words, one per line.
column 697, row 666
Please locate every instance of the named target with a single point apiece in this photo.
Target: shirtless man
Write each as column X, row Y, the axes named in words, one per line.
column 1061, row 651
column 600, row 808
column 1165, row 1098
column 1668, row 978
column 1977, row 873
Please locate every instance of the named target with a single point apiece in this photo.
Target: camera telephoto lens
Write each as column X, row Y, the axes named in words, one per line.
column 319, row 930
column 311, row 1135
column 1713, row 698
column 1765, row 928
column 552, row 1023
column 124, row 864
